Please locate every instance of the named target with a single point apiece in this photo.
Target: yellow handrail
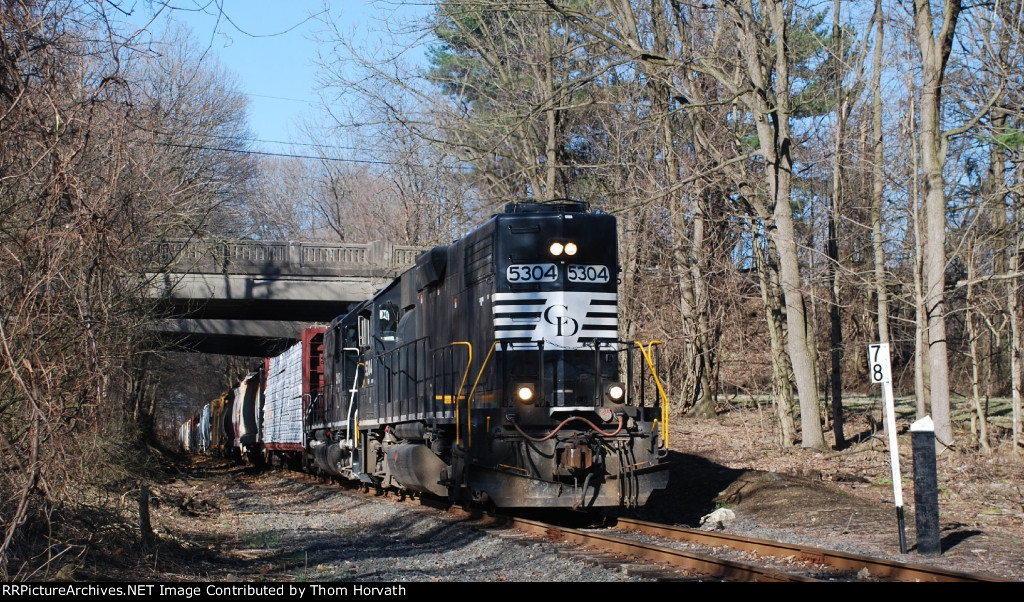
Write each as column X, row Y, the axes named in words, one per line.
column 465, row 375
column 657, row 381
column 469, row 399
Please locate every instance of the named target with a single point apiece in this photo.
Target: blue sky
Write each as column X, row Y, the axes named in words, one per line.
column 269, row 45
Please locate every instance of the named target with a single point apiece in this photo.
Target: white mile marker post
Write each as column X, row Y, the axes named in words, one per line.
column 881, row 372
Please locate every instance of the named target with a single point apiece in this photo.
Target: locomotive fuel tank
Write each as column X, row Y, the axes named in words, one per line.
column 417, row 468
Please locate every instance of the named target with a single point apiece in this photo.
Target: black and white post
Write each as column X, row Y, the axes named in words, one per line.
column 926, row 487
column 881, row 372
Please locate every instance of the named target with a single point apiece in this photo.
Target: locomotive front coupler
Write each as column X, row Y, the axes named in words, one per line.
column 577, row 453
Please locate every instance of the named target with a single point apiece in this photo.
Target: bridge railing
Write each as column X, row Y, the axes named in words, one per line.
column 282, row 258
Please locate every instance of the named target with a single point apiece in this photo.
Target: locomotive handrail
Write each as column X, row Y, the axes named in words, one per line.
column 458, row 394
column 469, row 399
column 353, row 420
column 657, row 381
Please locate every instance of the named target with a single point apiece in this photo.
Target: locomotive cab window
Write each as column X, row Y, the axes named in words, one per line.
column 364, row 331
column 387, row 321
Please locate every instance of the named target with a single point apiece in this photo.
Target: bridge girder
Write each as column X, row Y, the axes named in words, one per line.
column 250, row 315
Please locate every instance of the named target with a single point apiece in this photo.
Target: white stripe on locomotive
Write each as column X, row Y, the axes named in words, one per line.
column 564, row 319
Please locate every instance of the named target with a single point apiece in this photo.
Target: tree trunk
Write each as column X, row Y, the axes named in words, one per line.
column 922, row 386
column 979, row 421
column 145, row 527
column 877, row 181
column 704, row 399
column 774, row 135
column 934, row 54
column 881, row 284
column 550, row 113
column 835, row 314
column 1016, row 342
column 782, row 373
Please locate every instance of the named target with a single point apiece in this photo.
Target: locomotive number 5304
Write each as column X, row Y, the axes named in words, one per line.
column 588, row 273
column 532, row 272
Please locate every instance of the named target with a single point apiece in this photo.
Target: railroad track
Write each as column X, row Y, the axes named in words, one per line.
column 838, row 564
column 670, row 553
column 653, row 561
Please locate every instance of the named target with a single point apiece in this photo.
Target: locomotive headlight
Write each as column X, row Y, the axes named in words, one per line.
column 615, row 392
column 524, row 393
column 556, row 248
column 570, row 248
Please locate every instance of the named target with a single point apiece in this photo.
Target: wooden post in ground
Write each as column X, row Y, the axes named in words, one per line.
column 145, row 527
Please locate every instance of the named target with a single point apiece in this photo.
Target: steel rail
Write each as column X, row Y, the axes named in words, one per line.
column 684, row 564
column 879, row 568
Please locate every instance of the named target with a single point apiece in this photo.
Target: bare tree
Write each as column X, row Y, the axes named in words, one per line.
column 88, row 179
column 749, row 59
column 935, row 47
column 62, row 305
column 877, row 179
column 279, row 208
column 192, row 136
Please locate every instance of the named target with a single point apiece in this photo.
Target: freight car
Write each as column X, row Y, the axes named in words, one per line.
column 229, row 425
column 293, row 380
column 489, row 372
column 246, row 402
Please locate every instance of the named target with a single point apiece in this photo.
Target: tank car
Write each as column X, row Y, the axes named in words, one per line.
column 492, row 372
column 243, row 414
column 221, row 432
column 230, row 425
column 187, row 436
column 202, row 430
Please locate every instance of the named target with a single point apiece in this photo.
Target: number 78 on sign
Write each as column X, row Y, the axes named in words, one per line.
column 878, row 363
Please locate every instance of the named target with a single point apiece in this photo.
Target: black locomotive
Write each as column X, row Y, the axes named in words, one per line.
column 492, row 372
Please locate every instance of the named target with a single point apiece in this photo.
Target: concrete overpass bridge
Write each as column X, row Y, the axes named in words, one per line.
column 253, row 298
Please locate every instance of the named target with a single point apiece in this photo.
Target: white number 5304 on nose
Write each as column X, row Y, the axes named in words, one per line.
column 532, row 272
column 587, row 273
